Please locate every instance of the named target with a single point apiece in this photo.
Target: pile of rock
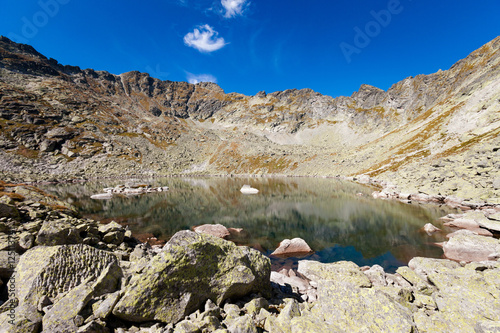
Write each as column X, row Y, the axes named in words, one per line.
column 78, row 288
column 128, row 190
column 391, row 191
column 75, row 275
column 473, row 241
column 430, row 295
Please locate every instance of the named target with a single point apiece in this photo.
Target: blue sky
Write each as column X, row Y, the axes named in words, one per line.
column 250, row 45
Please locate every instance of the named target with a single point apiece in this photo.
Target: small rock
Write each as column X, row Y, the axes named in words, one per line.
column 476, row 231
column 294, row 247
column 114, row 237
column 463, row 223
column 217, row 230
column 495, row 216
column 490, row 224
column 186, row 326
column 26, row 240
column 254, row 306
column 95, row 326
column 243, row 324
column 110, row 227
column 142, row 250
column 105, row 308
column 376, row 275
column 9, row 211
column 238, row 234
column 429, row 228
column 247, row 189
column 43, row 302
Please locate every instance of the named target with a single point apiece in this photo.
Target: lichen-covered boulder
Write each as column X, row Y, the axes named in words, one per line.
column 339, row 271
column 466, row 297
column 217, row 230
column 192, row 268
column 63, row 316
column 344, row 307
column 50, row 271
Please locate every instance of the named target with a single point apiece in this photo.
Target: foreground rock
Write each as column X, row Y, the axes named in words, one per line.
column 67, row 276
column 192, row 268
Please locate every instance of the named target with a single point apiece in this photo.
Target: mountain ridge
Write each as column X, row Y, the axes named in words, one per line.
column 59, row 121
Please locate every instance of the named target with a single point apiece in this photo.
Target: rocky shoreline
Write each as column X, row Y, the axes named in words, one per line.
column 429, row 139
column 77, row 275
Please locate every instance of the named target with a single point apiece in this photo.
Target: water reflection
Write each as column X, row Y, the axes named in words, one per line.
column 339, row 220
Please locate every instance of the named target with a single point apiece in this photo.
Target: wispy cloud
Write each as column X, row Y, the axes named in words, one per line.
column 204, row 39
column 197, row 78
column 234, row 7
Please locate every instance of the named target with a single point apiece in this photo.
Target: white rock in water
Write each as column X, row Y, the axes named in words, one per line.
column 430, row 229
column 247, row 189
column 102, row 196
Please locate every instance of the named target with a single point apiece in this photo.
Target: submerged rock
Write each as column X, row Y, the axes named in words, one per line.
column 190, row 269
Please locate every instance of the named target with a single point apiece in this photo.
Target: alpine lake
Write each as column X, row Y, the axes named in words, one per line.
column 338, row 219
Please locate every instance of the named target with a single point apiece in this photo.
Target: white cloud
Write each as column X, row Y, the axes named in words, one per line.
column 234, row 7
column 197, row 78
column 204, row 39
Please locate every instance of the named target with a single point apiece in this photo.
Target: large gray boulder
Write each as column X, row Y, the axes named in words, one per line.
column 192, row 268
column 51, row 271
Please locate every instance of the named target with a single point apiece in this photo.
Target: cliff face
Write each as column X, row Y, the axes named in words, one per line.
column 63, row 122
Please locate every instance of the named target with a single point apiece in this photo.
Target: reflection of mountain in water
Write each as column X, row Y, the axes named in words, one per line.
column 327, row 213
